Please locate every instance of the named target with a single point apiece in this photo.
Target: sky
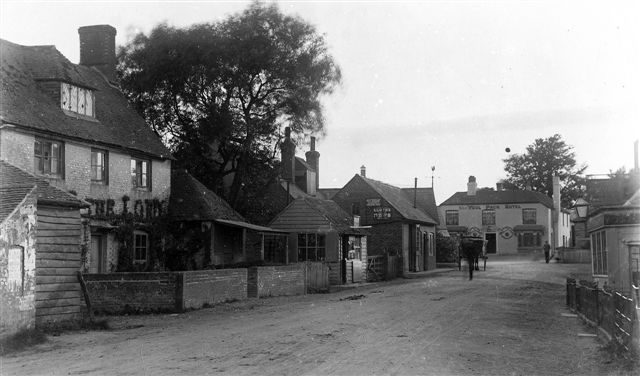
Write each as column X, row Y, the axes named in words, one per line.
column 449, row 84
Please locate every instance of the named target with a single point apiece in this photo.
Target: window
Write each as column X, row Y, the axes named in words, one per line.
column 99, row 166
column 451, row 217
column 140, row 247
column 77, row 99
column 48, row 157
column 528, row 216
column 140, row 173
column 529, row 239
column 488, row 217
column 311, row 247
column 599, row 253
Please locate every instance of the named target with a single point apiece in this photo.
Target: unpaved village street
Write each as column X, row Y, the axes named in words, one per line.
column 506, row 321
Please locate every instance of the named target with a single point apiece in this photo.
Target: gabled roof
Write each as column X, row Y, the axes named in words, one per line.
column 16, row 184
column 25, row 103
column 192, row 201
column 425, row 200
column 485, row 196
column 328, row 193
column 398, row 199
column 331, row 214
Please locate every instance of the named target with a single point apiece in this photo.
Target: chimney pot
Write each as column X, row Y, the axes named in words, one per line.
column 363, row 171
column 472, row 186
column 98, row 49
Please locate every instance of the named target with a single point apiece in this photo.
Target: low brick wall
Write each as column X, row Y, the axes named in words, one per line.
column 279, row 280
column 214, row 286
column 120, row 292
column 573, row 255
column 177, row 291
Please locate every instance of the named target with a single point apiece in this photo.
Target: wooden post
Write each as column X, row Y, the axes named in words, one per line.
column 87, row 299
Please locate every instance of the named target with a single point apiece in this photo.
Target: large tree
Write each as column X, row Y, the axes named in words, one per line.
column 221, row 93
column 542, row 160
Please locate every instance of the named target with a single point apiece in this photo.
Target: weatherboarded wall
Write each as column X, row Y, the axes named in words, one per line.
column 58, row 294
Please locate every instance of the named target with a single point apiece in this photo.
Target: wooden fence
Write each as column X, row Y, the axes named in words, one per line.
column 317, row 277
column 614, row 313
column 383, row 267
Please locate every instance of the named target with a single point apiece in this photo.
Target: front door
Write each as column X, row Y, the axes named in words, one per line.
column 491, row 242
column 97, row 257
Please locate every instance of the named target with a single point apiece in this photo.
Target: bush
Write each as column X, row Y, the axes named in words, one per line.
column 446, row 249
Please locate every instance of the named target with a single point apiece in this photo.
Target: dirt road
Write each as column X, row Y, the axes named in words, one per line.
column 507, row 321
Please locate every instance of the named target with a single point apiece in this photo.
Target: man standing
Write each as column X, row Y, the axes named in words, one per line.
column 546, row 248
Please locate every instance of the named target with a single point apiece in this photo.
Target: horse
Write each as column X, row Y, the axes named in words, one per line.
column 471, row 248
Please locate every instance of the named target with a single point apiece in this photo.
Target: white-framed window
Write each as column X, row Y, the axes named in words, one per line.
column 77, row 99
column 311, row 247
column 488, row 217
column 141, row 173
column 99, row 166
column 451, row 217
column 529, row 216
column 140, row 247
column 48, row 158
column 599, row 253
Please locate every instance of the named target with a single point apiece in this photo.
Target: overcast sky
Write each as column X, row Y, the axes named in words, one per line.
column 449, row 84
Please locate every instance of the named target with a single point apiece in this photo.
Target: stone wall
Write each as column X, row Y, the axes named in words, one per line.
column 18, row 268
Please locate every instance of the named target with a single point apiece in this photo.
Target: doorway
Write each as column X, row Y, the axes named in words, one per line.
column 98, row 254
column 491, row 242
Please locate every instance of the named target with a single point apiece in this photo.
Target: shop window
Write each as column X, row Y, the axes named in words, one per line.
column 451, row 217
column 529, row 239
column 311, row 247
column 48, row 158
column 489, row 217
column 140, row 247
column 99, row 166
column 529, row 216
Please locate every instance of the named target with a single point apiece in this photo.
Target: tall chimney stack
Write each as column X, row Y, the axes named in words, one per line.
column 363, row 171
column 98, row 49
column 288, row 155
column 472, row 186
column 313, row 159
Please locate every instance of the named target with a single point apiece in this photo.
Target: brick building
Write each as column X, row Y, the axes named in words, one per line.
column 510, row 221
column 400, row 222
column 70, row 125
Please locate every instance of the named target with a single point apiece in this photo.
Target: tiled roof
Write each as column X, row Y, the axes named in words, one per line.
column 499, row 197
column 338, row 218
column 24, row 103
column 192, row 201
column 328, row 193
column 14, row 182
column 399, row 200
column 425, row 200
column 11, row 197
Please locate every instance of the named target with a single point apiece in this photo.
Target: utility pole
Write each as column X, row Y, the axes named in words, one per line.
column 433, row 168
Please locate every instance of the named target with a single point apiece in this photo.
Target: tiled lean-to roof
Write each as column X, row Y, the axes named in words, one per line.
column 27, row 101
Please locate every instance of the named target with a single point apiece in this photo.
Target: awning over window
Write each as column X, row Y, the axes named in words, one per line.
column 528, row 228
column 249, row 226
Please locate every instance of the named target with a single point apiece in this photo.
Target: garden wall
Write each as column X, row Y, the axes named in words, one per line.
column 177, row 291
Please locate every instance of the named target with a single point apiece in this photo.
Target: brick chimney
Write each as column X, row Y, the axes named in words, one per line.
column 363, row 171
column 313, row 159
column 472, row 186
column 556, row 193
column 98, row 49
column 288, row 155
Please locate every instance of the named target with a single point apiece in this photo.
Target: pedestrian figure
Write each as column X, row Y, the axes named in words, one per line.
column 546, row 248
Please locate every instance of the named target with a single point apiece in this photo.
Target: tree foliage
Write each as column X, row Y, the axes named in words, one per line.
column 220, row 93
column 542, row 160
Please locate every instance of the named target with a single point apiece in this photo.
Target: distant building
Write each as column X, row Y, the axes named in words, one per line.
column 399, row 219
column 510, row 221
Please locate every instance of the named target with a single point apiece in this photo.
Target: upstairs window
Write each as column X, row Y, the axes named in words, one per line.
column 99, row 166
column 529, row 216
column 76, row 99
column 488, row 217
column 451, row 217
column 140, row 173
column 48, row 158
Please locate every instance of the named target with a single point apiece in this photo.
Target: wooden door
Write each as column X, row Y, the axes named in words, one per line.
column 97, row 257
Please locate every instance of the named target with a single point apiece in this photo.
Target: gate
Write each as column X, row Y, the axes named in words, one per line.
column 317, row 277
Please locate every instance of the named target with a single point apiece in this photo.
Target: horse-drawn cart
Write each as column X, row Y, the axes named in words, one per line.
column 473, row 248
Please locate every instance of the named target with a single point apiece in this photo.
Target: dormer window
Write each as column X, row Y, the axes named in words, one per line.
column 77, row 99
